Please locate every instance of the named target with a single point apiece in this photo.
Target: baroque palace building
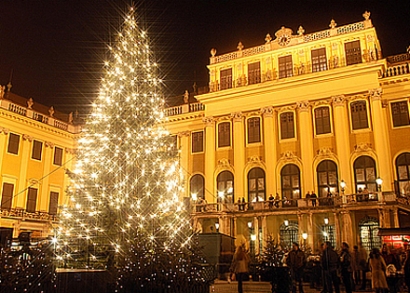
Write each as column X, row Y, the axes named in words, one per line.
column 321, row 113
column 37, row 146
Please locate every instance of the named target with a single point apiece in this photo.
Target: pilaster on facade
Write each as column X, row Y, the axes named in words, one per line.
column 239, row 151
column 3, row 144
column 45, row 192
column 270, row 147
column 20, row 201
column 337, row 228
column 347, row 228
column 342, row 132
column 210, row 158
column 184, row 156
column 381, row 138
column 306, row 143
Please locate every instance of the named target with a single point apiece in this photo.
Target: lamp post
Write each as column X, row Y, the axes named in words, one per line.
column 379, row 183
column 252, row 238
column 342, row 188
column 304, row 236
column 217, row 227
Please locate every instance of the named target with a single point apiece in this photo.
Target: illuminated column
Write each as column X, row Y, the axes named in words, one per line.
column 306, row 144
column 256, row 231
column 347, row 234
column 337, row 229
column 264, row 231
column 184, row 158
column 382, row 217
column 209, row 159
column 43, row 198
column 21, row 192
column 310, row 231
column 396, row 218
column 381, row 138
column 238, row 153
column 270, row 149
column 234, row 228
column 342, row 131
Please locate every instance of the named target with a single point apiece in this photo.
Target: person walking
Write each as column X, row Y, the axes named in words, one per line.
column 362, row 267
column 330, row 266
column 296, row 262
column 355, row 267
column 378, row 268
column 346, row 267
column 240, row 266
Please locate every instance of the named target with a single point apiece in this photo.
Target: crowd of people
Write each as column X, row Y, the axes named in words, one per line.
column 328, row 270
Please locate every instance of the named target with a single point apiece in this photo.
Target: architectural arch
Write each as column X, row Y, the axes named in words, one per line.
column 256, row 185
column 402, row 169
column 225, row 187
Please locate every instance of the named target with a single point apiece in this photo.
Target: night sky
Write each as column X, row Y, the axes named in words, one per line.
column 55, row 48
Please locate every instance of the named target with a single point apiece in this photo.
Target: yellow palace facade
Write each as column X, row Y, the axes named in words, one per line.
column 37, row 146
column 321, row 113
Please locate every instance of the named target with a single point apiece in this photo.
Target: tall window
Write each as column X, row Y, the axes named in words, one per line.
column 353, row 53
column 285, row 66
column 365, row 174
column 287, row 125
column 403, row 174
column 400, row 113
column 53, row 206
column 37, row 148
column 197, row 186
column 197, row 142
column 327, row 178
column 288, row 234
column 254, row 73
column 256, row 185
column 369, row 233
column 322, row 120
column 7, row 196
column 224, row 134
column 319, row 61
column 226, row 79
column 31, row 200
column 290, row 182
column 359, row 115
column 224, row 183
column 58, row 156
column 254, row 130
column 14, row 142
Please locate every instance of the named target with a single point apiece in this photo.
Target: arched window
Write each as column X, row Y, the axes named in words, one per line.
column 369, row 229
column 290, row 182
column 225, row 187
column 327, row 178
column 288, row 232
column 365, row 174
column 256, row 185
column 197, row 186
column 403, row 174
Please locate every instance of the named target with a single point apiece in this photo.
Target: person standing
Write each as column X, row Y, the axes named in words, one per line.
column 296, row 263
column 271, row 201
column 378, row 267
column 240, row 266
column 355, row 267
column 406, row 268
column 346, row 267
column 313, row 196
column 362, row 259
column 330, row 266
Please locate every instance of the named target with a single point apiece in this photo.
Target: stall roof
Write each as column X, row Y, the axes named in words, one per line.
column 393, row 231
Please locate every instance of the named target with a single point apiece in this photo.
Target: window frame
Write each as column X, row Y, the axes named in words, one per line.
column 254, row 74
column 403, row 167
column 256, row 130
column 224, row 136
column 352, row 116
column 196, row 150
column 226, row 80
column 287, row 125
column 365, row 165
column 227, row 180
column 55, row 157
column 13, row 145
column 284, row 70
column 292, row 188
column 318, row 62
column 401, row 114
column 37, row 150
column 53, row 203
column 322, row 118
column 353, row 55
column 31, row 204
column 256, row 174
column 328, row 167
column 7, row 205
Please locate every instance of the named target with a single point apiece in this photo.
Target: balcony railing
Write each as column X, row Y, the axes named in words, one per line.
column 185, row 108
column 6, row 104
column 23, row 214
column 294, row 204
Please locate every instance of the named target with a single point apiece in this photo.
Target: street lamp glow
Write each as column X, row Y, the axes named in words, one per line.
column 217, row 226
column 194, row 196
column 249, row 224
column 326, row 221
column 343, row 185
column 304, row 235
column 221, row 194
column 253, row 237
column 286, row 222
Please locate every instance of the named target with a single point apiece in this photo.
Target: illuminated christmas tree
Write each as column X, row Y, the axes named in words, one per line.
column 125, row 212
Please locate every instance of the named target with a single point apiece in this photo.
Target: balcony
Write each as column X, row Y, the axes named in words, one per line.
column 183, row 109
column 292, row 205
column 37, row 116
column 22, row 214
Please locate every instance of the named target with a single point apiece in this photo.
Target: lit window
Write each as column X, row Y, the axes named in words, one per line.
column 403, row 174
column 353, row 53
column 319, row 61
column 290, row 183
column 285, row 66
column 256, row 185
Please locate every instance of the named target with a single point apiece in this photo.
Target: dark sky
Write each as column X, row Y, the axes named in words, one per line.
column 56, row 48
